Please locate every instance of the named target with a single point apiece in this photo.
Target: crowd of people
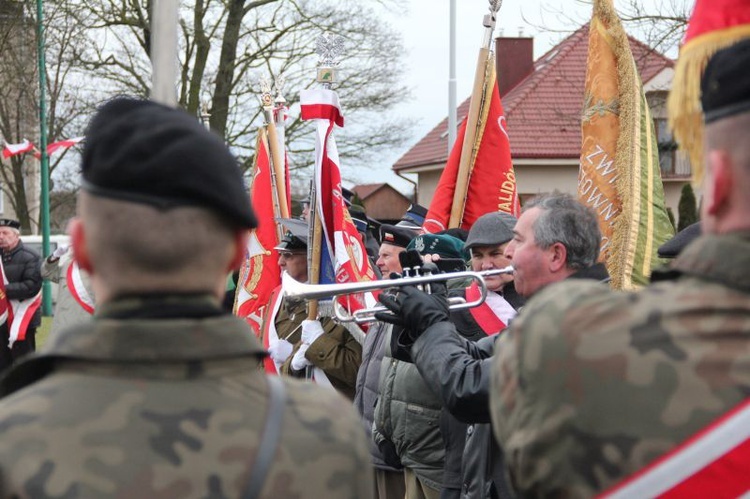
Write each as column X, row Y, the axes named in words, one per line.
column 555, row 386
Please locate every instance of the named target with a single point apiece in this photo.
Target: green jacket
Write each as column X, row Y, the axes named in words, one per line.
column 162, row 397
column 591, row 385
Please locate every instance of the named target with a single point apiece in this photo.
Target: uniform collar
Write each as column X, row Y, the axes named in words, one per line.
column 140, row 339
column 722, row 258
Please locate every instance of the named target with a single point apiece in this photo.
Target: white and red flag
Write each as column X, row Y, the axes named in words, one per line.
column 63, row 144
column 491, row 178
column 19, row 312
column 77, row 289
column 260, row 272
column 15, row 149
column 343, row 255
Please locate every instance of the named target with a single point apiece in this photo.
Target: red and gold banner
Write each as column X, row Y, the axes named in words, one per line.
column 619, row 176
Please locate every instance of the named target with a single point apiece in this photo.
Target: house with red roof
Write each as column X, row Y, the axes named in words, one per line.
column 543, row 100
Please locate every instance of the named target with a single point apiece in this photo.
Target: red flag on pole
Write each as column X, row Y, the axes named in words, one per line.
column 492, row 181
column 260, row 272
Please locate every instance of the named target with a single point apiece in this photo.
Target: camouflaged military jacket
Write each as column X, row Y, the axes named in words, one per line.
column 162, row 397
column 589, row 386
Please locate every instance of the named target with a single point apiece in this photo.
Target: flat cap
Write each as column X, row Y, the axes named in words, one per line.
column 295, row 235
column 725, row 85
column 9, row 222
column 396, row 235
column 144, row 152
column 439, row 244
column 674, row 246
column 491, row 229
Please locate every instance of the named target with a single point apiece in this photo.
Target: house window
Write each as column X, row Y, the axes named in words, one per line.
column 667, row 147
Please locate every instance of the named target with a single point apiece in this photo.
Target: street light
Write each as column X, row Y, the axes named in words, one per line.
column 46, row 287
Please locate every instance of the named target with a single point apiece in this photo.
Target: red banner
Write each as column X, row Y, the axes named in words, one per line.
column 260, row 273
column 492, row 181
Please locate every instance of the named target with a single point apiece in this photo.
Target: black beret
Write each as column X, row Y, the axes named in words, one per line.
column 295, row 236
column 674, row 246
column 396, row 235
column 143, row 152
column 725, row 85
column 9, row 222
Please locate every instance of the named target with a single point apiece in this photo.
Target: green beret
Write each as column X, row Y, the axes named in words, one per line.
column 143, row 152
column 439, row 244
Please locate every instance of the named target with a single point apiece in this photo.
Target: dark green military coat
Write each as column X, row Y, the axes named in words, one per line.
column 335, row 352
column 141, row 404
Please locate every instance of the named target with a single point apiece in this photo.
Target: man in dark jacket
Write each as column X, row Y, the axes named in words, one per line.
column 22, row 268
column 555, row 238
column 389, row 473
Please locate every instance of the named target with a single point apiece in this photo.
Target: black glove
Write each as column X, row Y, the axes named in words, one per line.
column 390, row 456
column 415, row 310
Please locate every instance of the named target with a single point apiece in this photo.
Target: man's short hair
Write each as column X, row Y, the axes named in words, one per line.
column 564, row 220
column 138, row 248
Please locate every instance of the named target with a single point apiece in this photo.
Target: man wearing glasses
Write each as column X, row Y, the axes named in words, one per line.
column 297, row 345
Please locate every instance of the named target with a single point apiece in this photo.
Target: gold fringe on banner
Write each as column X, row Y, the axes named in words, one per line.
column 684, row 102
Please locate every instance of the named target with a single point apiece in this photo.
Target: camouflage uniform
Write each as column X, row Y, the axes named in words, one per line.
column 161, row 397
column 589, row 385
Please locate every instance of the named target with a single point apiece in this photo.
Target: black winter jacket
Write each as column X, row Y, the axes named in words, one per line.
column 23, row 270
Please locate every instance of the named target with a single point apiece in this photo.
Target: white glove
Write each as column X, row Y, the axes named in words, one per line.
column 60, row 251
column 311, row 331
column 280, row 351
column 299, row 362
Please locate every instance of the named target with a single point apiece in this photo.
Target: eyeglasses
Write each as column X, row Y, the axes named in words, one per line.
column 286, row 255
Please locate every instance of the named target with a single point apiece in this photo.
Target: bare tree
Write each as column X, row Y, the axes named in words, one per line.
column 227, row 45
column 19, row 100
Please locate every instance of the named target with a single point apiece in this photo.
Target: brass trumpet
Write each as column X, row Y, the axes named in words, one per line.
column 296, row 291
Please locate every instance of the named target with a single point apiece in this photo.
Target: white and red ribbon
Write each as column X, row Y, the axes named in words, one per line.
column 713, row 463
column 77, row 289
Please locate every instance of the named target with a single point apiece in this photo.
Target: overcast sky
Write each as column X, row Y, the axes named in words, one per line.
column 425, row 30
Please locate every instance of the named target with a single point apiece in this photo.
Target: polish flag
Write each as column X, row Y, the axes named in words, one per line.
column 63, row 144
column 14, row 149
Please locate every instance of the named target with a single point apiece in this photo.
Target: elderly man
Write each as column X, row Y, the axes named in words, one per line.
column 22, row 268
column 593, row 388
column 161, row 395
column 297, row 343
column 389, row 473
column 555, row 238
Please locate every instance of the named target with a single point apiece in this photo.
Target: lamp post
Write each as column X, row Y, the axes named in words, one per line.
column 46, row 287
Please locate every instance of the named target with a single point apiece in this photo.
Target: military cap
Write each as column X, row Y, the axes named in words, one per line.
column 439, row 244
column 395, row 235
column 674, row 246
column 491, row 229
column 414, row 217
column 144, row 152
column 295, row 235
column 725, row 86
column 9, row 222
column 359, row 217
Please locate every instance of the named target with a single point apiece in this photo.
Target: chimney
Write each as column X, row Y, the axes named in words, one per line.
column 514, row 61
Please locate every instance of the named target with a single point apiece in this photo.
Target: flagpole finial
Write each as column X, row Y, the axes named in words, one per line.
column 489, row 22
column 206, row 114
column 329, row 48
